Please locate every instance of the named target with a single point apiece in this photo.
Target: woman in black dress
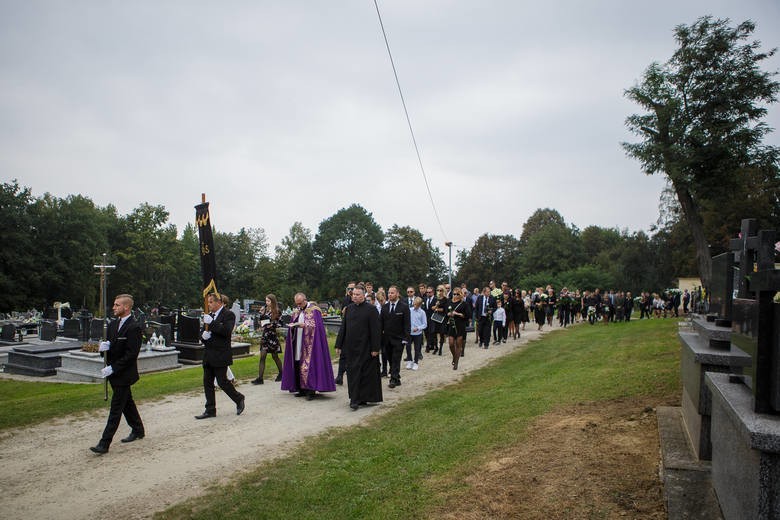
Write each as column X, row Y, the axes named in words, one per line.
column 440, row 329
column 458, row 315
column 519, row 312
column 269, row 340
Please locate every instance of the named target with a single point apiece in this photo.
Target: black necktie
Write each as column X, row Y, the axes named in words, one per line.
column 392, row 308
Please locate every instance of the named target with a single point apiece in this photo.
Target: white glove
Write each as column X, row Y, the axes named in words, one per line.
column 107, row 371
column 207, row 319
column 206, row 335
column 104, row 346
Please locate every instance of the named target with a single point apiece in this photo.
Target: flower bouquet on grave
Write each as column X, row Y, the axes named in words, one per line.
column 89, row 346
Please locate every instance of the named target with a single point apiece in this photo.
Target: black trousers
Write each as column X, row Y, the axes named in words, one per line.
column 342, row 366
column 121, row 404
column 209, row 373
column 483, row 330
column 394, row 349
column 417, row 342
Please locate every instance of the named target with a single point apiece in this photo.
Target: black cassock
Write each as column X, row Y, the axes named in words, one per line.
column 359, row 336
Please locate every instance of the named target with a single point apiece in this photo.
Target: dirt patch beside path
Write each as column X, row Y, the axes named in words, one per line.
column 595, row 460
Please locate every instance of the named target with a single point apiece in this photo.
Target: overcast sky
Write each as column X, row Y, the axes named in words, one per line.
column 288, row 110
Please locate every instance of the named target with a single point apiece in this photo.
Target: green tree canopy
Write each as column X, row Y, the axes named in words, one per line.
column 348, row 246
column 702, row 127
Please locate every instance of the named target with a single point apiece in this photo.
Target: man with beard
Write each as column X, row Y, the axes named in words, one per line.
column 359, row 341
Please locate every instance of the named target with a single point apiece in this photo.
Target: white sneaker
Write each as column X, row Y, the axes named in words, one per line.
column 409, row 365
column 415, row 366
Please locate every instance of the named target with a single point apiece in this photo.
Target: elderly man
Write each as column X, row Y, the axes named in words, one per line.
column 307, row 367
column 359, row 342
column 121, row 352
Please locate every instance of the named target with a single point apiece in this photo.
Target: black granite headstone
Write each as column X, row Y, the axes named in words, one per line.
column 161, row 329
column 50, row 313
column 96, row 329
column 188, row 330
column 48, row 330
column 9, row 332
column 722, row 285
column 755, row 326
column 71, row 329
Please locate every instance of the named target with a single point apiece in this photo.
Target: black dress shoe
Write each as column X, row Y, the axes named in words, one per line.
column 205, row 415
column 353, row 405
column 99, row 449
column 278, row 377
column 311, row 396
column 339, row 381
column 300, row 394
column 133, row 436
column 240, row 406
column 258, row 381
column 391, row 384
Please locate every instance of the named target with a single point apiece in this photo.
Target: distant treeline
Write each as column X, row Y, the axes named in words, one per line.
column 51, row 245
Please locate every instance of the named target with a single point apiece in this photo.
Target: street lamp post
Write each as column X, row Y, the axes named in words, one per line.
column 449, row 268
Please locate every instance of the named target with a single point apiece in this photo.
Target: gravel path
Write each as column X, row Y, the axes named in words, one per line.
column 47, row 471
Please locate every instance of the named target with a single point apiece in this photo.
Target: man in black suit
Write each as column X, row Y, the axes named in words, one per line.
column 121, row 353
column 396, row 327
column 218, row 354
column 484, row 309
column 429, row 301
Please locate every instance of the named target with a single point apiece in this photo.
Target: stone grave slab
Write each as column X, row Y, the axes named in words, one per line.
column 39, row 358
column 85, row 367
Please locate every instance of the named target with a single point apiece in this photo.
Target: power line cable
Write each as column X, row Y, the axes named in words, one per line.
column 409, row 122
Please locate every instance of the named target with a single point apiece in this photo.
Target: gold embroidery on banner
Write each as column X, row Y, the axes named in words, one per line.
column 202, row 220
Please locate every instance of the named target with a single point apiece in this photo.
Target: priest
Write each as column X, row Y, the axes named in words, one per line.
column 307, row 367
column 359, row 338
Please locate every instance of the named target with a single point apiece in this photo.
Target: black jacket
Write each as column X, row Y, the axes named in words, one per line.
column 123, row 354
column 218, row 352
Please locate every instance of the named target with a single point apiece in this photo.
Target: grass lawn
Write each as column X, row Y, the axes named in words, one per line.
column 396, row 465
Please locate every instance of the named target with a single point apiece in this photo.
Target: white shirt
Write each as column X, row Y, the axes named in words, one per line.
column 299, row 336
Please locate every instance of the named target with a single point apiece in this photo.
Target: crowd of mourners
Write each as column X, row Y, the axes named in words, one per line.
column 509, row 310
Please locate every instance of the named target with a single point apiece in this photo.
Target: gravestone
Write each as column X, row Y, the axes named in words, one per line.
column 96, row 329
column 746, row 408
column 50, row 313
column 48, row 331
column 188, row 339
column 188, row 330
column 71, row 329
column 722, row 286
column 8, row 333
column 162, row 330
column 39, row 358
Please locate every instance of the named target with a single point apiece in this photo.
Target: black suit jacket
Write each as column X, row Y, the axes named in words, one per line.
column 396, row 325
column 218, row 351
column 491, row 304
column 123, row 354
column 428, row 308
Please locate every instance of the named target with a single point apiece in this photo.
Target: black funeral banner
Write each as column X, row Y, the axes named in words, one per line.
column 208, row 262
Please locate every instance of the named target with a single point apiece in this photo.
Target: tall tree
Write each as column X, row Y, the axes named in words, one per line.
column 348, row 246
column 540, row 219
column 17, row 256
column 493, row 257
column 702, row 128
column 145, row 250
column 410, row 259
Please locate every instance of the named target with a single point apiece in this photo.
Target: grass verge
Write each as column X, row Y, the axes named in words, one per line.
column 396, row 465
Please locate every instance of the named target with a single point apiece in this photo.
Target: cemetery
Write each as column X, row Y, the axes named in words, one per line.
column 730, row 371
